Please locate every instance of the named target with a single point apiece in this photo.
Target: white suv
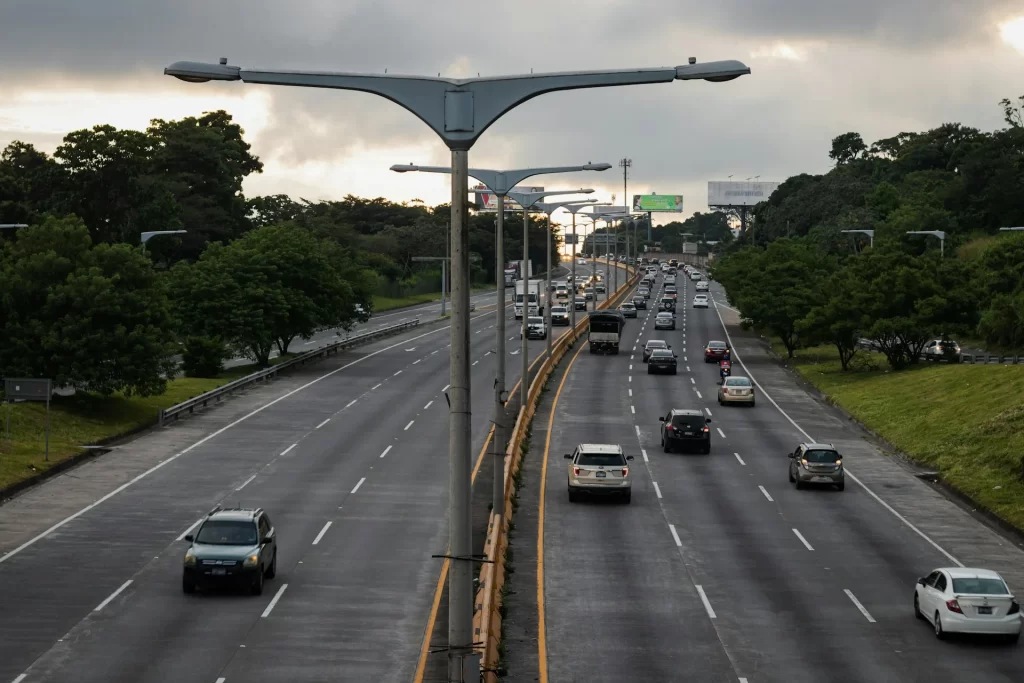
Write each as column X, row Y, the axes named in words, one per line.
column 601, row 469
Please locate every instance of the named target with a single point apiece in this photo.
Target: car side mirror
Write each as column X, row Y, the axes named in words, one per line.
column 568, row 456
column 921, row 581
column 707, row 420
column 189, row 537
column 792, row 455
column 629, row 457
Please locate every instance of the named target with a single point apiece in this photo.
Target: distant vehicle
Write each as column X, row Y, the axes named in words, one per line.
column 605, row 331
column 640, row 301
column 654, row 344
column 588, row 293
column 580, row 303
column 815, row 463
column 736, row 390
column 600, row 288
column 700, row 301
column 561, row 291
column 232, row 546
column 685, row 429
column 703, row 286
column 942, row 349
column 667, row 303
column 716, row 351
column 554, row 286
column 670, row 280
column 531, row 292
column 559, row 315
column 628, row 309
column 601, row 469
column 661, row 360
column 535, row 328
column 581, row 262
column 671, row 290
column 665, row 320
column 967, row 600
column 645, row 292
column 695, row 275
column 673, row 262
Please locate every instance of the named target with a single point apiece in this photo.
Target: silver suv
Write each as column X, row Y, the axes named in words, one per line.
column 817, row 463
column 601, row 469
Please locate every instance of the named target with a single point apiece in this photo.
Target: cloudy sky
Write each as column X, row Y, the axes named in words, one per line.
column 820, row 68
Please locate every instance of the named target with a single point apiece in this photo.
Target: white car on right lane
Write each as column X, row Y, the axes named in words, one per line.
column 703, row 286
column 700, row 300
column 966, row 600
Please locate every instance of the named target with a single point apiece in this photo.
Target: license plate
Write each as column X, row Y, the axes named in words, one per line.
column 601, row 475
column 220, row 571
column 687, row 433
column 823, row 480
column 984, row 610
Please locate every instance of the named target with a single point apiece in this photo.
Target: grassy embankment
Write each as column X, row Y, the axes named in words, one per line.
column 964, row 421
column 85, row 419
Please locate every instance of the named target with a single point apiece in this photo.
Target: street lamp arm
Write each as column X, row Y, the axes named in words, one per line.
column 500, row 182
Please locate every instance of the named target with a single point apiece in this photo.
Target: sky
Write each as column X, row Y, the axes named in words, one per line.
column 820, row 68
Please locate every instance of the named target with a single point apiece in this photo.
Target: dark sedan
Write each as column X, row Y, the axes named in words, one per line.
column 640, row 302
column 661, row 360
column 628, row 310
column 716, row 351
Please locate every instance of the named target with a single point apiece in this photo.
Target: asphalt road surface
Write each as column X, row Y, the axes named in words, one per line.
column 350, row 459
column 719, row 570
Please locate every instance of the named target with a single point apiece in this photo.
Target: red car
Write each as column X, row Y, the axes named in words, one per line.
column 716, row 351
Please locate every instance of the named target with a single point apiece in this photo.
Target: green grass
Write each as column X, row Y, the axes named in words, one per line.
column 84, row 419
column 964, row 421
column 385, row 303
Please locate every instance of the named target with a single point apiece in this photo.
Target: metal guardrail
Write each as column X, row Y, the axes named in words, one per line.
column 970, row 358
column 202, row 400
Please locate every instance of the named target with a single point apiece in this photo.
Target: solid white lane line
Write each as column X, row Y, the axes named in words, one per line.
column 285, row 451
column 356, row 488
column 429, row 403
column 700, row 396
column 408, row 425
column 113, row 595
column 704, row 599
column 416, row 361
column 740, row 459
column 800, row 429
column 273, row 601
column 720, row 432
column 323, row 531
column 376, row 386
column 657, row 489
column 189, row 530
column 446, row 387
column 386, row 450
column 221, row 680
column 863, row 610
column 433, row 352
column 245, row 482
column 351, row 403
column 22, row 677
column 709, row 411
column 323, row 423
column 632, row 409
column 475, row 362
column 766, row 494
column 675, row 536
column 397, row 374
column 802, row 539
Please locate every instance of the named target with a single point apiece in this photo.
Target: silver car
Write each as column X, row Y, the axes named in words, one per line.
column 665, row 321
column 816, row 463
column 601, row 469
column 736, row 390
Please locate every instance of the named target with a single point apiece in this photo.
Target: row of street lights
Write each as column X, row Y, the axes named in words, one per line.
column 459, row 111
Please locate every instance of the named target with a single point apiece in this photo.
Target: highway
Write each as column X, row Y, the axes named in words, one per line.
column 719, row 570
column 349, row 457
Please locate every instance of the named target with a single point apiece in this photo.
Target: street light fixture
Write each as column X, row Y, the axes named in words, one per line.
column 1011, row 229
column 934, row 233
column 869, row 233
column 147, row 236
column 575, row 208
column 12, row 226
column 459, row 111
column 606, row 215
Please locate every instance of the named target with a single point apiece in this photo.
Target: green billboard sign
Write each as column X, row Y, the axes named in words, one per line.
column 658, row 202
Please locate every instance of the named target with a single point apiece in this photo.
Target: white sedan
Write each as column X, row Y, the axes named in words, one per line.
column 700, row 301
column 703, row 286
column 965, row 600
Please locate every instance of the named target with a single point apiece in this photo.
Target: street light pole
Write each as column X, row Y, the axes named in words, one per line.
column 573, row 208
column 458, row 111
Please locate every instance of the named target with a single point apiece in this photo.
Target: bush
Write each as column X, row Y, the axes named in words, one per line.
column 203, row 356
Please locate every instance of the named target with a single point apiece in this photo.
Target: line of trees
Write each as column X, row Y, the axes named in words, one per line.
column 83, row 304
column 795, row 275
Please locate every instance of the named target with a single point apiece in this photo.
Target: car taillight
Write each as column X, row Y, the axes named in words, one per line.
column 1014, row 607
column 576, row 471
column 953, row 606
column 625, row 471
column 706, row 429
column 670, row 428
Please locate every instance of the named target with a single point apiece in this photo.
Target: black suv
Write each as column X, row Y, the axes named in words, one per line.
column 232, row 546
column 640, row 302
column 685, row 429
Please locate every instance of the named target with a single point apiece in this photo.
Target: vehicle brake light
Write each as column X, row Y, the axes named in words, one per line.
column 1014, row 607
column 576, row 471
column 670, row 428
column 706, row 429
column 953, row 606
column 625, row 471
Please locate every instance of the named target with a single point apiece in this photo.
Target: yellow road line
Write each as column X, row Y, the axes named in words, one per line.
column 542, row 643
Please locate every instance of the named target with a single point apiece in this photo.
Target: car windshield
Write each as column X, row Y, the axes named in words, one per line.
column 227, row 532
column 661, row 353
column 737, row 382
column 656, row 343
column 665, row 315
column 821, row 456
column 628, row 307
column 688, row 422
column 979, row 586
column 700, row 297
column 536, row 321
column 716, row 344
column 558, row 309
column 601, row 459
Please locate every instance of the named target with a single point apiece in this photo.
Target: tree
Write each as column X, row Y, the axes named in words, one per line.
column 838, row 320
column 847, row 147
column 1013, row 114
column 27, row 177
column 1003, row 323
column 90, row 317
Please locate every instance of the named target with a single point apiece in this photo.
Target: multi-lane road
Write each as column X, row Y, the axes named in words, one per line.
column 719, row 570
column 350, row 459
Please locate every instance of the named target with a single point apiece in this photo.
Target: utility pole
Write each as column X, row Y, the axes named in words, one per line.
column 625, row 164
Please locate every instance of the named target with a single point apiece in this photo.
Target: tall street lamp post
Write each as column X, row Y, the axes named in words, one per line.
column 459, row 111
column 574, row 209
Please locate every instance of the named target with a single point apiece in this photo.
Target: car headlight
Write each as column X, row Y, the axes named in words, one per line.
column 251, row 561
column 190, row 559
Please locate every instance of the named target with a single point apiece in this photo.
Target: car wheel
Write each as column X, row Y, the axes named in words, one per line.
column 1014, row 639
column 188, row 586
column 939, row 633
column 649, row 371
column 257, row 584
column 674, row 371
column 790, row 473
column 707, row 449
column 272, row 570
column 666, row 447
column 751, row 404
column 626, row 498
column 841, row 486
column 917, row 608
column 720, row 401
column 799, row 484
column 573, row 496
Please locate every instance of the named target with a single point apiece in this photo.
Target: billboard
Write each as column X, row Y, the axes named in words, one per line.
column 487, row 201
column 658, row 202
column 728, row 193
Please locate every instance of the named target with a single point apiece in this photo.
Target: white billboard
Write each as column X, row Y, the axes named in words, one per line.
column 729, row 193
column 487, row 201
